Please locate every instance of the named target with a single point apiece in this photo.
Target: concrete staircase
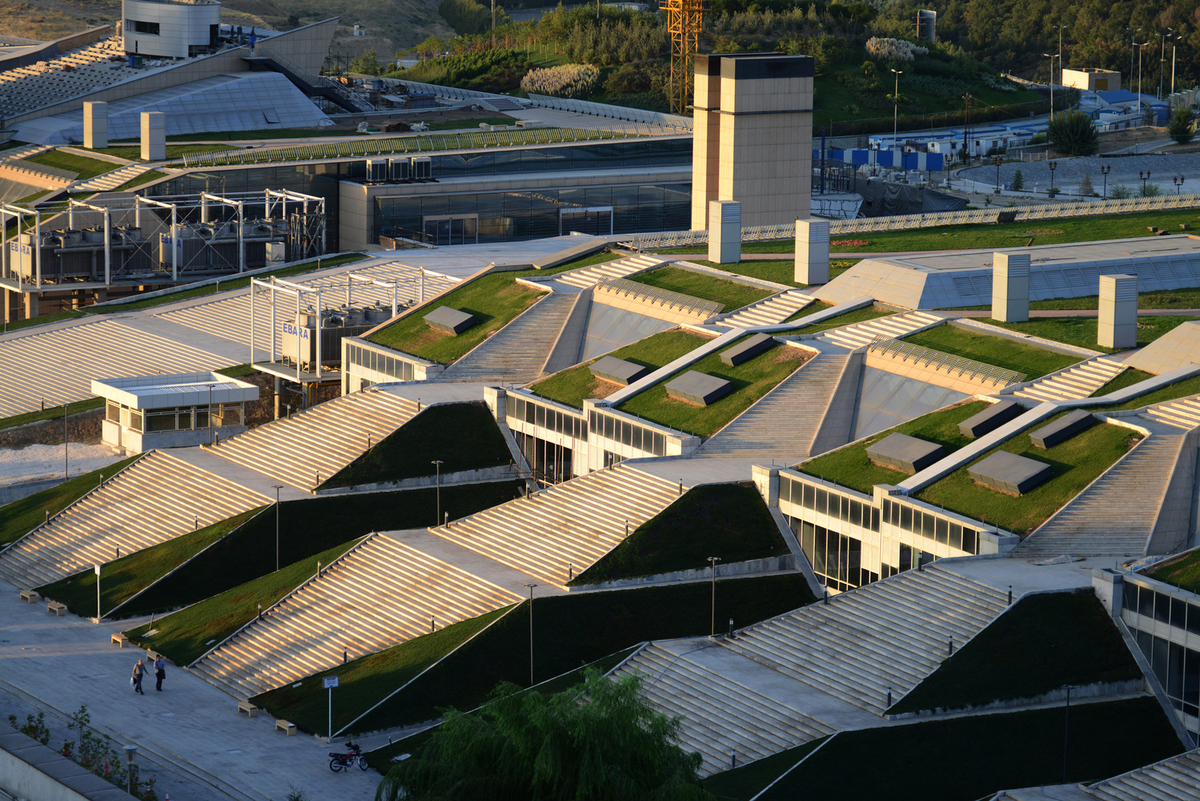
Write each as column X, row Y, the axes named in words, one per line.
column 1115, row 515
column 769, row 311
column 380, row 594
column 569, row 525
column 786, row 420
column 890, row 634
column 516, row 353
column 720, row 714
column 1174, row 779
column 894, row 326
column 306, row 449
column 155, row 499
column 111, row 180
column 1074, row 383
column 586, row 277
column 1183, row 414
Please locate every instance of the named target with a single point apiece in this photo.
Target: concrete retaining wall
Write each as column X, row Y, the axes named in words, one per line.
column 501, row 473
column 773, row 564
column 31, row 770
column 15, row 492
column 1097, row 690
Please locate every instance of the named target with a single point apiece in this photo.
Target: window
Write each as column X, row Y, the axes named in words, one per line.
column 144, row 27
column 113, row 412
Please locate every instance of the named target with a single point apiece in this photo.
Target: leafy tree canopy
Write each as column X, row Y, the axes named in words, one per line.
column 1073, row 133
column 525, row 747
column 1181, row 128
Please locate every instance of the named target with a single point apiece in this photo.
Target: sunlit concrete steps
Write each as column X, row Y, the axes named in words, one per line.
column 569, row 525
column 1080, row 381
column 59, row 365
column 111, row 180
column 155, row 499
column 24, row 152
column 721, row 717
column 890, row 634
column 894, row 326
column 1183, row 414
column 516, row 353
column 1115, row 515
column 769, row 311
column 1174, row 779
column 379, row 594
column 786, row 420
column 586, row 277
column 229, row 317
column 319, row 441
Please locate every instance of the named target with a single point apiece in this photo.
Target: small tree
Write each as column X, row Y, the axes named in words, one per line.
column 1149, row 190
column 1120, row 192
column 1085, row 186
column 1018, row 181
column 1181, row 128
column 1073, row 133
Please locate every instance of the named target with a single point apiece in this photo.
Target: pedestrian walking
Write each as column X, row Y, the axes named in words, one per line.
column 160, row 673
column 139, row 673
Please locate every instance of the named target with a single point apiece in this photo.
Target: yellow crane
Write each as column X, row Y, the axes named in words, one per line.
column 684, row 18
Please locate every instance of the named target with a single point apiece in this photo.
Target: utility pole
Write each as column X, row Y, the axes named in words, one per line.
column 1162, row 61
column 895, row 111
column 1060, row 63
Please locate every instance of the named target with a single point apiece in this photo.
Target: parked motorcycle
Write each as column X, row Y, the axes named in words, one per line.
column 345, row 761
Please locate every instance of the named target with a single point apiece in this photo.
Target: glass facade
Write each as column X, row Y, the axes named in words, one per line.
column 177, row 418
column 822, row 501
column 1176, row 666
column 550, row 461
column 938, row 529
column 835, row 558
column 370, row 359
column 627, row 433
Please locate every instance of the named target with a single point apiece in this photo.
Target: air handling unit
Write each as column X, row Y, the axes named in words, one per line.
column 399, row 169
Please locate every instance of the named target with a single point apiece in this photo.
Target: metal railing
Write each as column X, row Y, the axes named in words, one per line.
column 939, row 361
column 674, row 121
column 674, row 301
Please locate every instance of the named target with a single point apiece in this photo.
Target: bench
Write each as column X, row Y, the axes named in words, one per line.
column 29, row 595
column 286, row 727
column 120, row 640
column 57, row 608
column 250, row 709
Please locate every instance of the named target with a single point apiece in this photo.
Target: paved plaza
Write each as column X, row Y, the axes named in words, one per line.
column 1070, row 172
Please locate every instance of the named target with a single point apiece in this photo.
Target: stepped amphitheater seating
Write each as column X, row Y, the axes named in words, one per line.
column 1115, row 515
column 587, row 277
column 111, row 180
column 894, row 326
column 155, row 499
column 58, row 366
column 1074, row 383
column 380, row 594
column 574, row 523
column 516, row 353
column 1174, row 779
column 890, row 634
column 720, row 714
column 306, row 449
column 769, row 311
column 1183, row 413
column 784, row 423
column 71, row 74
column 229, row 318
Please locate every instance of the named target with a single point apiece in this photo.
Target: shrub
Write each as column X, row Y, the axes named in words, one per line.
column 1085, row 185
column 1037, row 139
column 569, row 80
column 629, row 79
column 1120, row 192
column 1073, row 133
column 1149, row 190
column 1018, row 181
column 1181, row 128
column 894, row 49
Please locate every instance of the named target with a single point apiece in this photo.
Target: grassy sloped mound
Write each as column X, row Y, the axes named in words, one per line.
column 123, row 578
column 1182, row 572
column 1076, row 463
column 998, row 351
column 850, row 467
column 700, row 285
column 1042, row 643
column 979, row 755
column 22, row 516
column 306, row 528
column 409, row 451
column 1180, row 389
column 184, row 636
column 1083, row 332
column 570, row 630
column 730, row 521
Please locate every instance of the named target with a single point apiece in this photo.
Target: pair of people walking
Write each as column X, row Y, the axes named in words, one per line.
column 139, row 673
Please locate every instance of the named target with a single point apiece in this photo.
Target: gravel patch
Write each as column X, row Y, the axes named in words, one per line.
column 46, row 461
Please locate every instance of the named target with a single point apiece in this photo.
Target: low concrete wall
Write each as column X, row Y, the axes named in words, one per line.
column 31, row 770
column 486, row 475
column 772, row 564
column 1097, row 690
column 933, row 373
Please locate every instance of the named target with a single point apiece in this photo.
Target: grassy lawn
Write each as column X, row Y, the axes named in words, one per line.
column 1042, row 643
column 846, row 318
column 571, row 630
column 184, row 636
column 308, row 527
column 751, row 380
column 22, row 516
column 32, row 196
column 125, row 577
column 1183, row 572
column 224, row 286
column 574, row 385
column 84, row 166
column 144, row 178
column 1126, row 378
column 1083, row 332
column 410, row 450
column 365, row 681
column 1180, row 389
column 1076, row 463
column 781, row 271
column 729, row 521
column 705, row 287
column 262, row 133
column 494, row 300
column 1023, row 749
column 134, row 152
column 850, row 467
column 1031, row 360
column 69, row 314
column 747, row 781
column 1188, row 298
column 473, row 122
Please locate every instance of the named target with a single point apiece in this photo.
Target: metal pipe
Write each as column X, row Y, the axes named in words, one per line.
column 107, row 248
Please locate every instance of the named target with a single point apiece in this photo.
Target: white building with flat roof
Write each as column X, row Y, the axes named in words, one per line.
column 171, row 28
